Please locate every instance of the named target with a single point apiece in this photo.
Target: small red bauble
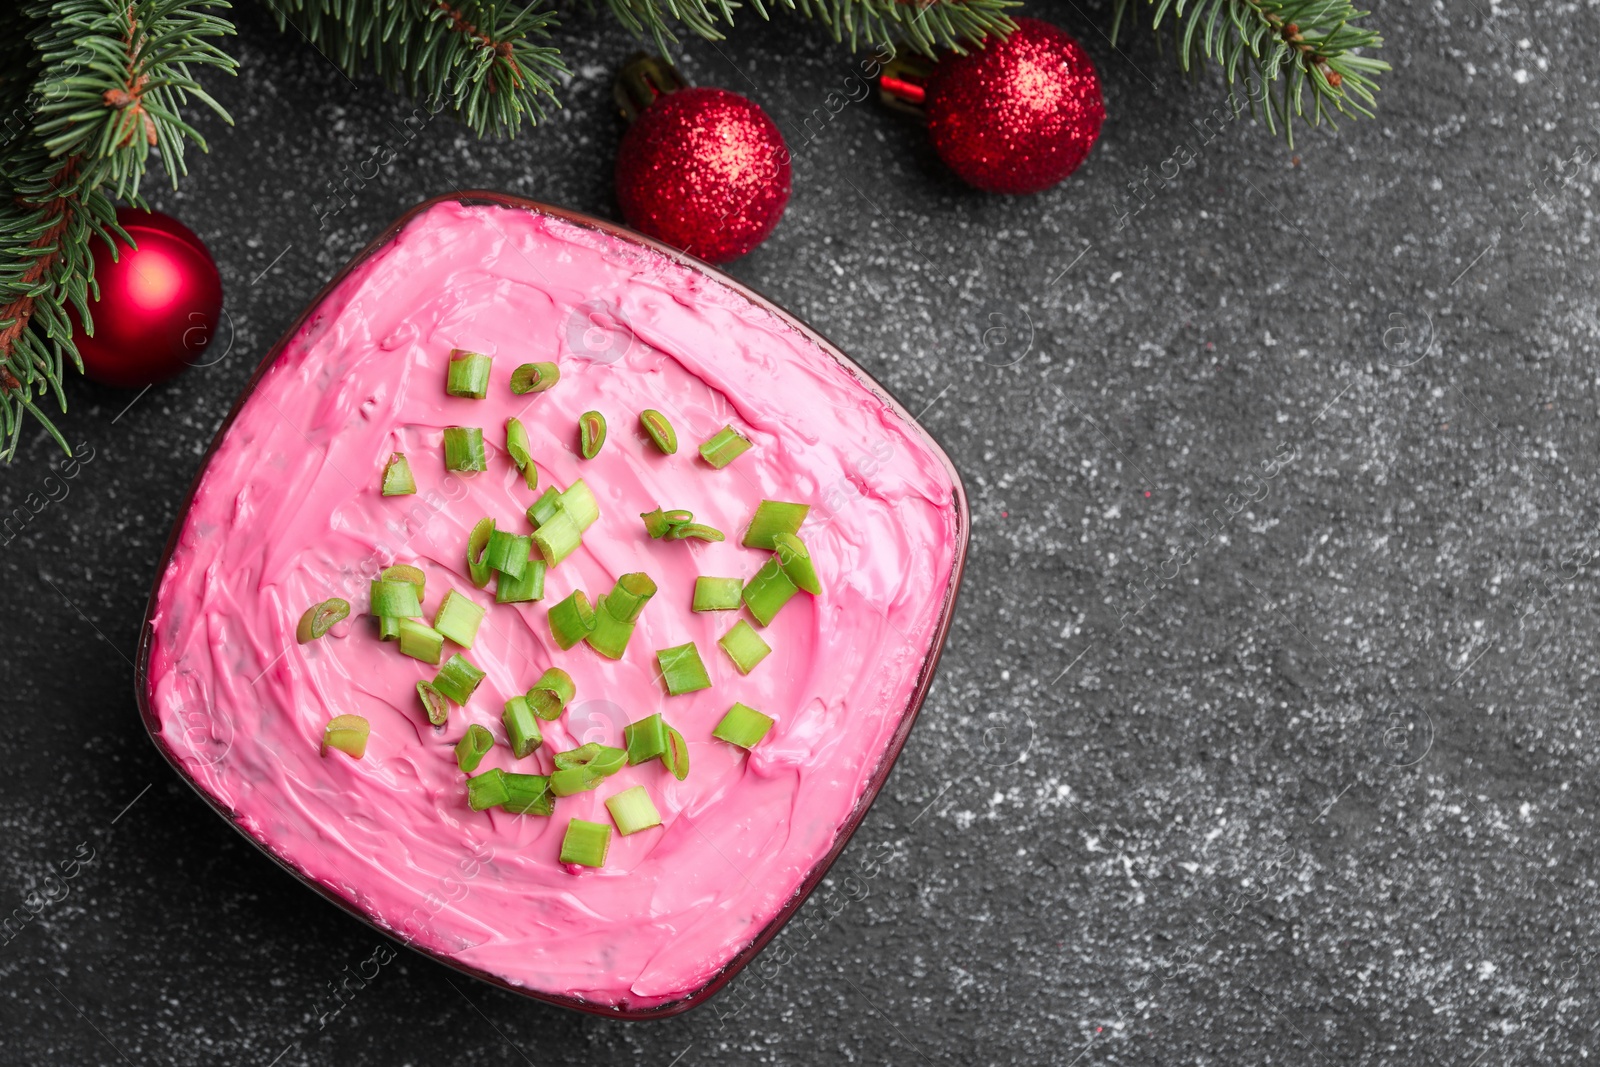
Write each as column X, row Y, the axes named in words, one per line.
column 705, row 171
column 159, row 303
column 1019, row 115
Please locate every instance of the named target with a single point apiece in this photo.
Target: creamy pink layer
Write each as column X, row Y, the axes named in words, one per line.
column 289, row 513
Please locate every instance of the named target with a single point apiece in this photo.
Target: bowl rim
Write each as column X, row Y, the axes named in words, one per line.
column 891, row 751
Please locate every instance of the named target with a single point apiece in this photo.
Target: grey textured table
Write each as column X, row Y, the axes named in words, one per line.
column 1261, row 736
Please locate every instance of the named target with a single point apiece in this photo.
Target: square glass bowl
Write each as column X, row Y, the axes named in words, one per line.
column 286, row 511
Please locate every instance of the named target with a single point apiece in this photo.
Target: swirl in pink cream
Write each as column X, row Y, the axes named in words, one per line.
column 288, row 513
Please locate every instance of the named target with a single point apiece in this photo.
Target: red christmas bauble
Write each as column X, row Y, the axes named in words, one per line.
column 704, row 170
column 1019, row 115
column 159, row 303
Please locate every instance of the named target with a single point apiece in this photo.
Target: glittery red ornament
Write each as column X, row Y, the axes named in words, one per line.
column 159, row 303
column 705, row 171
column 1019, row 115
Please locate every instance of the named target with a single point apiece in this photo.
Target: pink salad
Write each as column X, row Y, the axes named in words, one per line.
column 289, row 513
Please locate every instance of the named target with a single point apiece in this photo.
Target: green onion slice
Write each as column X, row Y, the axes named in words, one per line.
column 473, row 746
column 509, row 590
column 528, row 794
column 477, row 552
column 682, row 669
column 646, row 739
column 679, row 516
column 458, row 618
column 397, row 478
column 468, row 375
column 725, row 446
column 396, row 599
column 586, row 843
column 522, row 726
column 633, row 810
column 717, row 594
column 420, row 641
column 388, row 628
column 434, row 703
column 655, row 523
column 348, row 734
column 541, row 510
column 551, row 693
column 610, row 635
column 767, row 593
column 463, row 449
column 695, row 529
column 676, row 758
column 744, row 646
column 567, row 781
column 404, row 572
column 320, row 618
column 487, row 790
column 457, row 679
column 572, row 619
column 591, row 433
column 534, row 377
column 521, row 452
column 558, row 538
column 773, row 517
column 509, row 552
column 743, row 726
column 795, row 559
column 629, row 596
column 578, row 501
column 660, row 430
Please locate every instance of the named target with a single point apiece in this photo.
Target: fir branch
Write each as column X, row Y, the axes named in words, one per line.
column 483, row 56
column 111, row 76
column 1279, row 52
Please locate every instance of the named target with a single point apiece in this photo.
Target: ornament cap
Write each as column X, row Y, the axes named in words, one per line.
column 642, row 80
column 902, row 86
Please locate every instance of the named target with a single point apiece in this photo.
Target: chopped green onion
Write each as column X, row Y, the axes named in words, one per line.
column 694, row 529
column 660, row 430
column 396, row 599
column 319, row 618
column 773, row 517
column 609, row 760
column 725, row 446
column 572, row 619
column 420, row 641
column 521, row 452
column 743, row 726
column 795, row 559
column 718, row 594
column 528, row 794
column 478, row 551
column 678, row 517
column 576, row 757
column 579, row 502
column 473, row 746
column 397, row 479
column 522, row 727
column 580, row 769
column 633, row 810
column 552, row 692
column 458, row 619
column 610, row 635
column 508, row 552
column 434, row 703
column 543, row 509
column 388, row 628
column 534, row 377
column 458, row 679
column 591, row 433
column 676, row 758
column 486, row 790
column 567, row 781
column 768, row 591
column 468, row 375
column 744, row 646
column 509, row 590
column 682, row 669
column 463, row 449
column 655, row 523
column 348, row 734
column 629, row 596
column 586, row 843
column 646, row 739
column 558, row 538
column 404, row 572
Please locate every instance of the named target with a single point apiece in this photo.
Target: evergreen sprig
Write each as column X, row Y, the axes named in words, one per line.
column 1278, row 52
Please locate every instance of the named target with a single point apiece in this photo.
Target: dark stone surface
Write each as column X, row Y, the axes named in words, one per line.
column 1327, row 797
